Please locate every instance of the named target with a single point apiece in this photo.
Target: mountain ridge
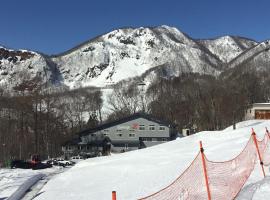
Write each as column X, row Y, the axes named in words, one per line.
column 130, row 52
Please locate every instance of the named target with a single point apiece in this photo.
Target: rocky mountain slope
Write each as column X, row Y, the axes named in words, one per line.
column 128, row 53
column 17, row 66
column 228, row 47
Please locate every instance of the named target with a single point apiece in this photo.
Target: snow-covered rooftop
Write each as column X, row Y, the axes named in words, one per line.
column 261, row 105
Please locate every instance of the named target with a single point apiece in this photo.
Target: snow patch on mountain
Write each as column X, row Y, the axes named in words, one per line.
column 226, row 48
column 261, row 51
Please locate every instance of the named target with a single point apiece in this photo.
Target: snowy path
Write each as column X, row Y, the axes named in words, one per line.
column 25, row 187
column 34, row 191
column 12, row 179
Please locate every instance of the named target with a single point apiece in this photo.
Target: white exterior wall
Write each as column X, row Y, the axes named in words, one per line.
column 131, row 127
column 250, row 114
column 129, row 134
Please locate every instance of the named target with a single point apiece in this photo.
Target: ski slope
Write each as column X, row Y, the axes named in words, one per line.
column 140, row 173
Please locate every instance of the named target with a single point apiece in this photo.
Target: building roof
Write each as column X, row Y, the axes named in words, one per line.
column 123, row 120
column 74, row 141
column 98, row 141
column 261, row 105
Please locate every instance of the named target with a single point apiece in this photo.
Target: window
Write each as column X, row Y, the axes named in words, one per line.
column 147, row 139
column 118, row 130
column 120, row 135
column 105, row 134
column 162, row 128
column 162, row 139
column 132, row 135
column 141, row 127
column 151, row 127
column 106, row 130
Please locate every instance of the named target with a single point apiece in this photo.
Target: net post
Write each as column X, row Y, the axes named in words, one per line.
column 267, row 132
column 205, row 171
column 258, row 151
column 113, row 195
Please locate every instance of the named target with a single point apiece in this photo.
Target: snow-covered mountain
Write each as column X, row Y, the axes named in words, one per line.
column 127, row 53
column 258, row 56
column 228, row 47
column 17, row 66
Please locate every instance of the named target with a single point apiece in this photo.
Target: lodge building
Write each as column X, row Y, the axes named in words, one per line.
column 134, row 132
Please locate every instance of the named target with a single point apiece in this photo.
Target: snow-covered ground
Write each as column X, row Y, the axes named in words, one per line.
column 12, row 179
column 140, row 173
column 256, row 191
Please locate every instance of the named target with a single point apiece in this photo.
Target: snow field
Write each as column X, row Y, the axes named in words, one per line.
column 140, row 173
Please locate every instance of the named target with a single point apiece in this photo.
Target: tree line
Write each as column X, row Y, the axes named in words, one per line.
column 36, row 119
column 194, row 100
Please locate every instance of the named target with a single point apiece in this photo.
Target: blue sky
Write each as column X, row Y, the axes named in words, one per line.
column 53, row 26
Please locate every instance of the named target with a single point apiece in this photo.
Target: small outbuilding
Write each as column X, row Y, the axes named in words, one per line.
column 258, row 111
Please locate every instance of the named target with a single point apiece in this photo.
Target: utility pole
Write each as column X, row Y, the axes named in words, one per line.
column 4, row 152
column 234, row 126
column 236, row 108
column 141, row 89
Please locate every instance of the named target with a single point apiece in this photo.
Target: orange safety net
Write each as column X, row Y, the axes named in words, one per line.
column 263, row 145
column 189, row 185
column 266, row 156
column 225, row 178
column 266, row 153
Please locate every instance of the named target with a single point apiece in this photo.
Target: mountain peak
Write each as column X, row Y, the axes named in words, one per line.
column 227, row 47
column 127, row 53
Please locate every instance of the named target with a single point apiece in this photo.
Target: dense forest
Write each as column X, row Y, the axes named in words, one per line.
column 36, row 119
column 193, row 100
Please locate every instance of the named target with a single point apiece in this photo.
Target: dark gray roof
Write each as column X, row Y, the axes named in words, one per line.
column 99, row 141
column 74, row 141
